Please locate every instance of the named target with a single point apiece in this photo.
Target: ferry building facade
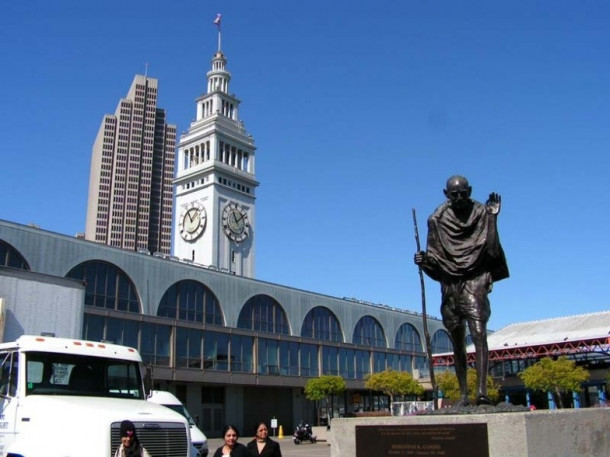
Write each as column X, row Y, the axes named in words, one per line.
column 234, row 349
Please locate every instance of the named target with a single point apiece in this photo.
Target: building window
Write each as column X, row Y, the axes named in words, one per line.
column 408, row 339
column 289, row 358
column 330, row 360
column 216, row 351
column 121, row 331
column 241, row 353
column 321, row 323
column 368, row 332
column 155, row 343
column 346, row 363
column 309, row 360
column 10, row 257
column 188, row 347
column 263, row 314
column 406, row 363
column 441, row 342
column 152, row 340
column 190, row 300
column 268, row 357
column 93, row 328
column 421, row 364
column 363, row 364
column 106, row 286
column 393, row 361
column 379, row 362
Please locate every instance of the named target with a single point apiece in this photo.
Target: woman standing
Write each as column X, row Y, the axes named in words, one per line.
column 262, row 445
column 231, row 447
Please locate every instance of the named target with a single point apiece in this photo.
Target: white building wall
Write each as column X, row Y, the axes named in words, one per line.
column 32, row 304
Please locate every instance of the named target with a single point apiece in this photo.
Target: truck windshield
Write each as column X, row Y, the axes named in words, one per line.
column 183, row 411
column 49, row 373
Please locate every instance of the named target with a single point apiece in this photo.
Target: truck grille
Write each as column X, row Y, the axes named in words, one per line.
column 161, row 439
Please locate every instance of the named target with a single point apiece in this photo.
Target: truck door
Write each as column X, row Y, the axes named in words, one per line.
column 9, row 386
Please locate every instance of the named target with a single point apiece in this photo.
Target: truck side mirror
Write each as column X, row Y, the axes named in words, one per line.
column 148, row 381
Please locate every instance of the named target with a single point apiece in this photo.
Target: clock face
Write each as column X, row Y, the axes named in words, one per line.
column 235, row 222
column 192, row 221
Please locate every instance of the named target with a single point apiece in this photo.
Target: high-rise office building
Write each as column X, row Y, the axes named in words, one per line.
column 132, row 169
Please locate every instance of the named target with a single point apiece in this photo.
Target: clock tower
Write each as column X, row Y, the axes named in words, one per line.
column 215, row 183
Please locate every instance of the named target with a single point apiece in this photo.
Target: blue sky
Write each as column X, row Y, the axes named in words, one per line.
column 360, row 110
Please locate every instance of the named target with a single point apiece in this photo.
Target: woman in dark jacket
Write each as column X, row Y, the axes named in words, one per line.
column 232, row 447
column 262, row 445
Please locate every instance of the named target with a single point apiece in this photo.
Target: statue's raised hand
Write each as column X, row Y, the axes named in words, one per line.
column 493, row 203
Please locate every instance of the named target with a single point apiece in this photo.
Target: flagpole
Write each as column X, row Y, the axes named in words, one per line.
column 217, row 22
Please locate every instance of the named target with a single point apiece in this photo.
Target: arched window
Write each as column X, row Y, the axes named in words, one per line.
column 408, row 339
column 368, row 332
column 10, row 257
column 441, row 342
column 106, row 286
column 321, row 323
column 263, row 314
column 190, row 300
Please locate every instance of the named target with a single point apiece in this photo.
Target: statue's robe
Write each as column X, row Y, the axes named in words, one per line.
column 463, row 249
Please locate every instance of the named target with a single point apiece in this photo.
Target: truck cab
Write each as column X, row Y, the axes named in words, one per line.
column 67, row 398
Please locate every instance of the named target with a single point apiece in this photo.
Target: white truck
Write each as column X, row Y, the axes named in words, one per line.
column 66, row 398
column 169, row 400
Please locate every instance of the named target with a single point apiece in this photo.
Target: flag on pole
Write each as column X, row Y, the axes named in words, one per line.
column 217, row 20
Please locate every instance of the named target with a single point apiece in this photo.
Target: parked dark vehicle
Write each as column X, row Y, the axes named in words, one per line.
column 303, row 433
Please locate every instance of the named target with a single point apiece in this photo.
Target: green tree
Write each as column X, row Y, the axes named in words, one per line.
column 323, row 388
column 448, row 383
column 559, row 377
column 394, row 383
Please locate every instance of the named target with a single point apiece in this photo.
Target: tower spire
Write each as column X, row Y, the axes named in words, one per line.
column 218, row 76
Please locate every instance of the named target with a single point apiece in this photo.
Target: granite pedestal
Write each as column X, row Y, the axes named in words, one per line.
column 541, row 433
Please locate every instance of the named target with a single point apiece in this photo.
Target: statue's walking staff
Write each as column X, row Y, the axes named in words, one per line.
column 425, row 317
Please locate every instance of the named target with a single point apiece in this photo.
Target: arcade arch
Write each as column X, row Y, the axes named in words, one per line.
column 189, row 300
column 10, row 257
column 320, row 323
column 263, row 313
column 368, row 332
column 441, row 342
column 106, row 286
column 408, row 339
